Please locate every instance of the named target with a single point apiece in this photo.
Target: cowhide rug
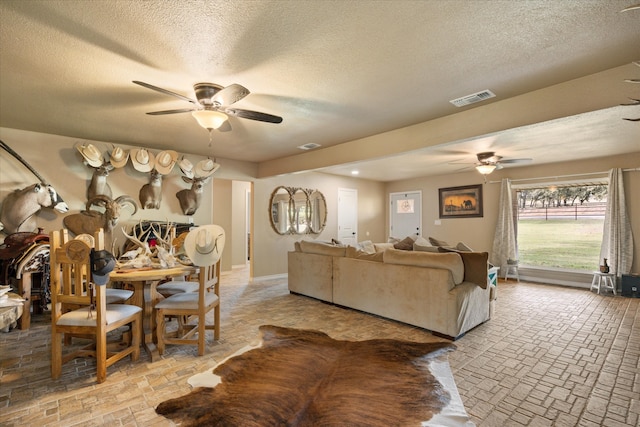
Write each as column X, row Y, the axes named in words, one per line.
column 306, row 378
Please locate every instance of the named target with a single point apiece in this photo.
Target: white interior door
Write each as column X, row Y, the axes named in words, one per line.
column 348, row 216
column 406, row 214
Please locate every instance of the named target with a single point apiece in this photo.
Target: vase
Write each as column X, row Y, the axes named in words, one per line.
column 605, row 267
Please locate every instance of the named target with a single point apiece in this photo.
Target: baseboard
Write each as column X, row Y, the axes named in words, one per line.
column 271, row 277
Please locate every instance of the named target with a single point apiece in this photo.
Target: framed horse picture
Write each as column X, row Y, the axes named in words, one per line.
column 461, row 202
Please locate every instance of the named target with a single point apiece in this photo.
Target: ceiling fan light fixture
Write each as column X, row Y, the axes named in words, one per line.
column 485, row 169
column 209, row 119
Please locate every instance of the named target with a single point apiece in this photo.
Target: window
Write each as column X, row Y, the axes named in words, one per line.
column 560, row 225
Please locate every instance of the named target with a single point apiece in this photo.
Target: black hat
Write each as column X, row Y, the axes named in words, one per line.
column 102, row 263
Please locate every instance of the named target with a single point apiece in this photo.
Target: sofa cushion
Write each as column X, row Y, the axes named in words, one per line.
column 449, row 261
column 367, row 246
column 405, row 244
column 381, row 247
column 296, row 247
column 475, row 267
column 321, row 248
column 356, row 253
column 425, row 248
column 436, row 242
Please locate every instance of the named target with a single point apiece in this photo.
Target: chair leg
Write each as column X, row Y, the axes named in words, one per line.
column 135, row 338
column 202, row 328
column 56, row 355
column 216, row 325
column 160, row 331
column 101, row 358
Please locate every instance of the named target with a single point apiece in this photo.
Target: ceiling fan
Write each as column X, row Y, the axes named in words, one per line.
column 211, row 106
column 488, row 161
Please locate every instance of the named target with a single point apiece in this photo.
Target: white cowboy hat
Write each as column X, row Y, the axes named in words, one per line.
column 142, row 159
column 165, row 161
column 206, row 168
column 204, row 245
column 185, row 166
column 91, row 154
column 118, row 157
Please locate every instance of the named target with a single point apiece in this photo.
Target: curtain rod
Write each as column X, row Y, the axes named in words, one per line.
column 565, row 176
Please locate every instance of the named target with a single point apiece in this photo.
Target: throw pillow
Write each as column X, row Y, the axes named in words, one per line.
column 367, row 246
column 405, row 245
column 436, row 242
column 422, row 241
column 352, row 252
column 461, row 246
column 475, row 267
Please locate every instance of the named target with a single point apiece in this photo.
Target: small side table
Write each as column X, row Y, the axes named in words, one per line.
column 603, row 280
column 511, row 269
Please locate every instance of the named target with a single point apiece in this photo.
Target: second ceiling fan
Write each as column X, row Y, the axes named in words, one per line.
column 488, row 161
column 212, row 104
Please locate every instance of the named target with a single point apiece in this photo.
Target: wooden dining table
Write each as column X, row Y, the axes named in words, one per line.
column 144, row 282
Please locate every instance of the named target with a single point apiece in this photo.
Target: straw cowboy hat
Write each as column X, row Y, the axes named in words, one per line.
column 143, row 160
column 185, row 166
column 118, row 157
column 91, row 154
column 206, row 168
column 165, row 161
column 204, row 245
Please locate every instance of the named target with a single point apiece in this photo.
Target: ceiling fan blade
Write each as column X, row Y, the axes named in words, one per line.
column 165, row 91
column 230, row 94
column 181, row 110
column 252, row 115
column 515, row 161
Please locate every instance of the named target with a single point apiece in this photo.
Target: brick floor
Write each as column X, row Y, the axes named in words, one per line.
column 550, row 356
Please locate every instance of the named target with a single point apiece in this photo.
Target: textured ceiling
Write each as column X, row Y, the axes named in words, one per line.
column 335, row 71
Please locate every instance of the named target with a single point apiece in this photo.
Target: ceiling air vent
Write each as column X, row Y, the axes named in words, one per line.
column 309, row 146
column 473, row 98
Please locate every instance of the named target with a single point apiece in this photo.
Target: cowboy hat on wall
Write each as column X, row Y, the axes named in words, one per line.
column 90, row 154
column 142, row 159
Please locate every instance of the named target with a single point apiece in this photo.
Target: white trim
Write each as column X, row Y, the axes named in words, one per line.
column 271, row 277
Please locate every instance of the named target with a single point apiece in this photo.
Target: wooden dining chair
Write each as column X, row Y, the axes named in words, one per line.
column 192, row 307
column 79, row 308
column 204, row 247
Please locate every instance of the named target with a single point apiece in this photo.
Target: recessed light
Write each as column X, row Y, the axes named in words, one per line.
column 354, row 172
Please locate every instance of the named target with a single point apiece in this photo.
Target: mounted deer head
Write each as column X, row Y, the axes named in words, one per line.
column 151, row 193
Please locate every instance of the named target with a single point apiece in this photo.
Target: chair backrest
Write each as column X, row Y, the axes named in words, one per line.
column 70, row 261
column 209, row 278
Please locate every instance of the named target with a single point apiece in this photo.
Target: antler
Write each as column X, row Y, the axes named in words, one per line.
column 138, row 239
column 165, row 240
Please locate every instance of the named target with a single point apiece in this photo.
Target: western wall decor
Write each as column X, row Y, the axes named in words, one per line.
column 294, row 210
column 20, row 207
column 461, row 202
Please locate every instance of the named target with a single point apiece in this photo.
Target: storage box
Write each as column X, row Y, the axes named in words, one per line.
column 631, row 285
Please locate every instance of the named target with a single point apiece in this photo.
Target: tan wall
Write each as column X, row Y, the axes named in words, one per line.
column 478, row 232
column 270, row 250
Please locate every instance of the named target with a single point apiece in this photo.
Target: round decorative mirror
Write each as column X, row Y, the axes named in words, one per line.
column 318, row 211
column 279, row 210
column 299, row 211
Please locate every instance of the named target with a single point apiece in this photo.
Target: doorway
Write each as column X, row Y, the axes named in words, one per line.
column 405, row 214
column 348, row 216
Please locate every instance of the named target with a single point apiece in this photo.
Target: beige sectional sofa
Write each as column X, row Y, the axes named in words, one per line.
column 446, row 293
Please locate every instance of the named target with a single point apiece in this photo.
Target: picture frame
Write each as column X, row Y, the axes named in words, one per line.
column 461, row 202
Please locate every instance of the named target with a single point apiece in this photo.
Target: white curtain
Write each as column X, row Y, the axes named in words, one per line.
column 617, row 238
column 504, row 241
